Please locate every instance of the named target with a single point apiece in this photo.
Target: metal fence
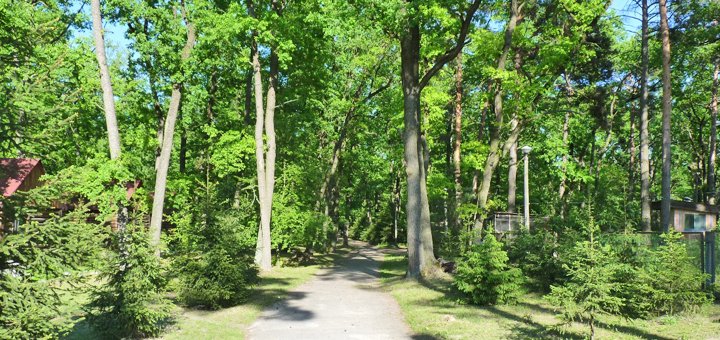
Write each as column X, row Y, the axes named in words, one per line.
column 702, row 246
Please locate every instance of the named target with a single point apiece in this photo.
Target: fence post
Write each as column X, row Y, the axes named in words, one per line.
column 711, row 258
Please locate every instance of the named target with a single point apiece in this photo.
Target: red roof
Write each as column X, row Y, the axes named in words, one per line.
column 14, row 172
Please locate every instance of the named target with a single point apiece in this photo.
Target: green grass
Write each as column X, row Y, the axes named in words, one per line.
column 231, row 323
column 433, row 309
column 227, row 323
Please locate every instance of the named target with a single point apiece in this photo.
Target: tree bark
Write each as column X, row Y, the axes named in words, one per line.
column 713, row 137
column 420, row 243
column 396, row 204
column 512, row 178
column 632, row 149
column 420, row 246
column 493, row 157
column 564, row 163
column 105, row 82
column 165, row 153
column 666, row 113
column 457, row 171
column 644, row 122
column 265, row 160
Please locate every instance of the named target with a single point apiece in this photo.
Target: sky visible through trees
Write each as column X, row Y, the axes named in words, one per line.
column 249, row 134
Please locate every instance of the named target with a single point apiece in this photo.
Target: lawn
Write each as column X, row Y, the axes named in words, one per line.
column 433, row 310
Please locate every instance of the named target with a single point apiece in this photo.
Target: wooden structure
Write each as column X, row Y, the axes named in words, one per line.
column 691, row 216
column 697, row 222
column 17, row 174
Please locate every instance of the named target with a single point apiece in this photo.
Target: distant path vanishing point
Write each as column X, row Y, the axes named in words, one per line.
column 341, row 302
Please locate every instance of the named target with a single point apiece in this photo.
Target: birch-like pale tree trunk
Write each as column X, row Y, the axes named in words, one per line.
column 666, row 113
column 512, row 178
column 164, row 160
column 265, row 160
column 644, row 123
column 457, row 169
column 105, row 81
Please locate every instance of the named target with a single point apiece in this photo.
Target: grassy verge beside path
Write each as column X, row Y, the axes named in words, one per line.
column 231, row 323
column 433, row 308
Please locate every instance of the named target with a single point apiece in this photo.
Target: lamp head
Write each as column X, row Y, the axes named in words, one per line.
column 526, row 149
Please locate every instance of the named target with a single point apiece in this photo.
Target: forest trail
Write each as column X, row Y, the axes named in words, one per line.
column 342, row 302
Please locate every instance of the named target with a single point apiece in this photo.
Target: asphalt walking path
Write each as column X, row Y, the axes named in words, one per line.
column 342, row 302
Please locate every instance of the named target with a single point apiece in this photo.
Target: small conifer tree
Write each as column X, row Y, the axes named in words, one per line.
column 485, row 275
column 676, row 280
column 591, row 288
column 131, row 303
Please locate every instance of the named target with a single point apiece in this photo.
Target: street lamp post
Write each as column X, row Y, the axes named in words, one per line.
column 526, row 197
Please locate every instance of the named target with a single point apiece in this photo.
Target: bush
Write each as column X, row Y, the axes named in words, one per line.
column 40, row 263
column 675, row 280
column 591, row 288
column 485, row 276
column 536, row 254
column 131, row 302
column 214, row 256
column 37, row 266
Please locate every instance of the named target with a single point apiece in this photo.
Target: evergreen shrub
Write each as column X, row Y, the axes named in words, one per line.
column 485, row 275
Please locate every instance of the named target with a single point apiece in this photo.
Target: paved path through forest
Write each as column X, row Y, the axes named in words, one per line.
column 341, row 302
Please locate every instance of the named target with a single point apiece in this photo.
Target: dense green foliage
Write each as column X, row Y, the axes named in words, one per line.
column 675, row 280
column 129, row 301
column 485, row 275
column 622, row 275
column 536, row 253
column 34, row 280
column 214, row 256
column 564, row 78
column 590, row 289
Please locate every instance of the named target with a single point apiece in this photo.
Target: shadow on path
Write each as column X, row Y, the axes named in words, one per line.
column 343, row 301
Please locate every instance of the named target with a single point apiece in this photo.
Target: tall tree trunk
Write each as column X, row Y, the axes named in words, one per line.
column 419, row 238
column 493, row 157
column 564, row 163
column 666, row 112
column 476, row 173
column 420, row 244
column 164, row 161
column 105, row 82
column 120, row 219
column 265, row 160
column 632, row 149
column 644, row 118
column 247, row 114
column 713, row 137
column 512, row 178
column 457, row 171
column 396, row 204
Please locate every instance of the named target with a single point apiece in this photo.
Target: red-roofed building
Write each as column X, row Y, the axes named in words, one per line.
column 19, row 174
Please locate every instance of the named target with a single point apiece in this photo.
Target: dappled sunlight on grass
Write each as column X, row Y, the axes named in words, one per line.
column 231, row 323
column 435, row 309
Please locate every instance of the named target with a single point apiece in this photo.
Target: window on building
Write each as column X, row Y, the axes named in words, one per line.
column 695, row 221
